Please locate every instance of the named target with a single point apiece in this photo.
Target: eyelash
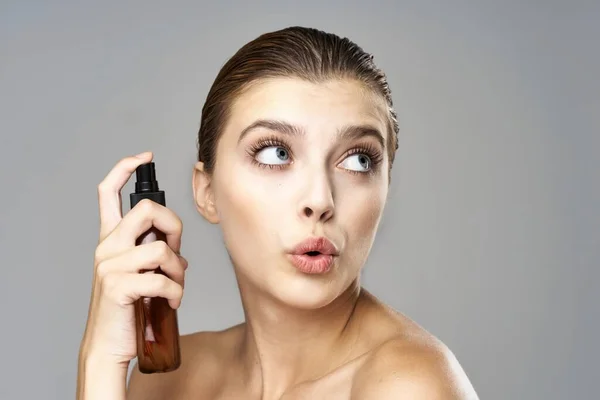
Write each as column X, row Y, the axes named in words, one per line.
column 272, row 141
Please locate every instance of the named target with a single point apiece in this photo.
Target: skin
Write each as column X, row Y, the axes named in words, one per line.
column 304, row 336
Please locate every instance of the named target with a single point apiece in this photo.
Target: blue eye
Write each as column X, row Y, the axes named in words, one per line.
column 273, row 155
column 358, row 162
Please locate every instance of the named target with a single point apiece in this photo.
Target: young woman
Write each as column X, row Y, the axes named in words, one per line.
column 295, row 148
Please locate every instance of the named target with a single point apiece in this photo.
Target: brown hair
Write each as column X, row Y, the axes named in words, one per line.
column 305, row 53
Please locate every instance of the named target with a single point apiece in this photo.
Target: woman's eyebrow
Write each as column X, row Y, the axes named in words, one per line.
column 347, row 132
column 350, row 132
column 274, row 125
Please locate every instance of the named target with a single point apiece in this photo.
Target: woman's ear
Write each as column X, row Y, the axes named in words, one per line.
column 203, row 194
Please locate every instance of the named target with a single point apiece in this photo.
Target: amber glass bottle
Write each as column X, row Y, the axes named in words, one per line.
column 157, row 328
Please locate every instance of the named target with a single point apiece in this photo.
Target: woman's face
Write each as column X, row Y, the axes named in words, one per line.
column 294, row 176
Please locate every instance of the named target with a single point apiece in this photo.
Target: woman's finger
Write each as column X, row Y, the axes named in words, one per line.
column 144, row 215
column 109, row 191
column 146, row 257
column 123, row 288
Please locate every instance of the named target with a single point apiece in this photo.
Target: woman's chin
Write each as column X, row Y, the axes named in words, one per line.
column 297, row 289
column 306, row 294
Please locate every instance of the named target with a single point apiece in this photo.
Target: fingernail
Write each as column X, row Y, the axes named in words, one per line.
column 185, row 262
column 143, row 155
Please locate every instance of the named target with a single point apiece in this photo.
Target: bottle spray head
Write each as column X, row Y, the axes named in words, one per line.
column 145, row 175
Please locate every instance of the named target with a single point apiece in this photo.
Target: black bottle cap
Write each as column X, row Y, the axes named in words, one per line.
column 146, row 178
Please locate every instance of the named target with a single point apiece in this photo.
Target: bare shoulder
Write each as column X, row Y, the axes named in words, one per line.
column 411, row 364
column 400, row 370
column 201, row 364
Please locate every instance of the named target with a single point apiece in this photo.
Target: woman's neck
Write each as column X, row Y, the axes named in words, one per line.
column 282, row 346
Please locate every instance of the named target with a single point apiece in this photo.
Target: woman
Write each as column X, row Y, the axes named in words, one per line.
column 295, row 148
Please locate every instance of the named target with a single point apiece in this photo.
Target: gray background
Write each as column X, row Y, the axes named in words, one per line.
column 491, row 234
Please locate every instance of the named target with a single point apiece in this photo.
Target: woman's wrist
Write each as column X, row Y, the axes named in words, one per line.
column 101, row 378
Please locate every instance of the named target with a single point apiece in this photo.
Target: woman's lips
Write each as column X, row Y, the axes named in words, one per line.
column 315, row 244
column 317, row 264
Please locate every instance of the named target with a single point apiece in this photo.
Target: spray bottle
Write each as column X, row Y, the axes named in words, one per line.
column 157, row 330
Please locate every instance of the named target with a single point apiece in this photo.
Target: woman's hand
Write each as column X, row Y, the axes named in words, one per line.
column 117, row 283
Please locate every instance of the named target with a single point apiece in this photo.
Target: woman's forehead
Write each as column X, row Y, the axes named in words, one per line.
column 335, row 103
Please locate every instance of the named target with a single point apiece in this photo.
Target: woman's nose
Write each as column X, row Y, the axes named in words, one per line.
column 321, row 214
column 316, row 200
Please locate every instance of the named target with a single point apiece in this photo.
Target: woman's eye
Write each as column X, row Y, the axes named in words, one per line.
column 273, row 155
column 358, row 162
